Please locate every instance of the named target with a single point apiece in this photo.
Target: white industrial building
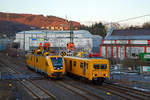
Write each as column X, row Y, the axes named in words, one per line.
column 122, row 44
column 82, row 39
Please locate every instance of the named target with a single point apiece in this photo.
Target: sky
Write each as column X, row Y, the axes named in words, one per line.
column 84, row 11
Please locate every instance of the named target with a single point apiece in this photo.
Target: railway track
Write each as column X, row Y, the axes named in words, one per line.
column 33, row 89
column 144, row 93
column 37, row 92
column 125, row 93
column 88, row 95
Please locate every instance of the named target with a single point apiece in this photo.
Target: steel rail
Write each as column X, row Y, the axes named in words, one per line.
column 28, row 89
column 126, row 92
column 82, row 92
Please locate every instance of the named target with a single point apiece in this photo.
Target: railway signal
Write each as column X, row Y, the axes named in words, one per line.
column 63, row 54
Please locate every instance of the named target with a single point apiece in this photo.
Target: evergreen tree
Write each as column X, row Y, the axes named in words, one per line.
column 146, row 25
column 95, row 29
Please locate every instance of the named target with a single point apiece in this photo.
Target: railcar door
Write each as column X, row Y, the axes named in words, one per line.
column 46, row 66
column 84, row 68
column 70, row 65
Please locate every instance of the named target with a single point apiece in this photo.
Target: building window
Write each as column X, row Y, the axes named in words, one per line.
column 133, row 54
column 96, row 66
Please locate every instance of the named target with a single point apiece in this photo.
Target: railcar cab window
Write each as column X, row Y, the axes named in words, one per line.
column 103, row 66
column 100, row 66
column 57, row 63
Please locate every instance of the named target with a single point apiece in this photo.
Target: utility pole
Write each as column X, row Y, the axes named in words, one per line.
column 46, row 34
column 45, row 37
column 71, row 31
column 24, row 43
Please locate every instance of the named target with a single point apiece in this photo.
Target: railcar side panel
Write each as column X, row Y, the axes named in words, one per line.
column 45, row 65
column 91, row 69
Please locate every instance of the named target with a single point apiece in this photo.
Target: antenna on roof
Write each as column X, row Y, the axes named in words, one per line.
column 66, row 17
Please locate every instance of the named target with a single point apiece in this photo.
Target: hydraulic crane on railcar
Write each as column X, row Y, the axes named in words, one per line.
column 43, row 50
column 71, row 45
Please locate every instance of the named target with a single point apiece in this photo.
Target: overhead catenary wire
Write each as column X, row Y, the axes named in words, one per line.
column 132, row 18
column 123, row 20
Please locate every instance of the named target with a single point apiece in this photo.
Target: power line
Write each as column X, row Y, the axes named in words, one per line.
column 132, row 18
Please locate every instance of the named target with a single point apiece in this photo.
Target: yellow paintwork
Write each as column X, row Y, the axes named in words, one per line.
column 44, row 64
column 87, row 72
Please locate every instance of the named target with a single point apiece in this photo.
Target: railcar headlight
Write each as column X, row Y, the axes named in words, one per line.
column 54, row 68
column 94, row 75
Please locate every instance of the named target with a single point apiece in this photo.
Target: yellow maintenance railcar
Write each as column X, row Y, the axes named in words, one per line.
column 93, row 69
column 41, row 60
column 52, row 66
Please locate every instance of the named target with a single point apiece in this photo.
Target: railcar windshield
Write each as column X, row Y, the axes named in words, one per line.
column 57, row 62
column 100, row 66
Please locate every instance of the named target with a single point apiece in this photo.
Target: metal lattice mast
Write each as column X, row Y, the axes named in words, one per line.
column 71, row 32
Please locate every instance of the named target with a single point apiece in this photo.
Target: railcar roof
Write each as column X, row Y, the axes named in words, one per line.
column 81, row 58
column 43, row 55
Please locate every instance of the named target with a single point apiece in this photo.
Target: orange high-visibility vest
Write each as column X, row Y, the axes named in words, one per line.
column 71, row 46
